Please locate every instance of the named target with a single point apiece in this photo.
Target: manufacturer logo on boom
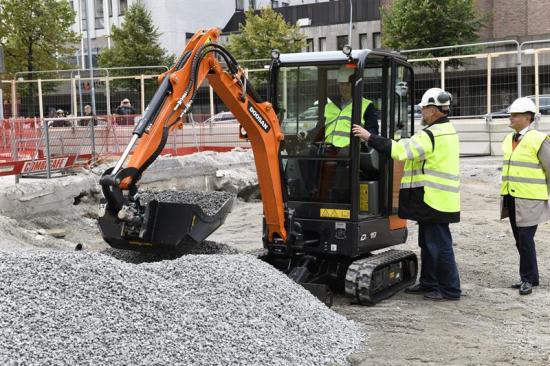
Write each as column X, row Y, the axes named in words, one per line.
column 258, row 117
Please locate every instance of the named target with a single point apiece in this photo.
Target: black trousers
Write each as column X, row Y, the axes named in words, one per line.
column 525, row 243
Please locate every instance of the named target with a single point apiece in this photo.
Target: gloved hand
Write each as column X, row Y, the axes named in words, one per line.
column 301, row 135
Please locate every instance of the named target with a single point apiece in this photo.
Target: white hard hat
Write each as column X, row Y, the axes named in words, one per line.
column 435, row 96
column 344, row 73
column 522, row 105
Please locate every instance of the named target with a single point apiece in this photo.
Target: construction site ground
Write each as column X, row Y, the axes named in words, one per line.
column 491, row 325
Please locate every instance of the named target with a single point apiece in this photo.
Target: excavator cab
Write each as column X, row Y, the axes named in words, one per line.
column 342, row 197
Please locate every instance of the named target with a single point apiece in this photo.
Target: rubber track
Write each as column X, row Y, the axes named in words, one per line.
column 358, row 276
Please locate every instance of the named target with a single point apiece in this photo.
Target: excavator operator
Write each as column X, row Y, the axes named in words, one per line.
column 336, row 125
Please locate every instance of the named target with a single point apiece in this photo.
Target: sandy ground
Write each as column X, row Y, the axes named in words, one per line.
column 491, row 325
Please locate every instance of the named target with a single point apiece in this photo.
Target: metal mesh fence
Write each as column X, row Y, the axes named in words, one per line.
column 425, row 77
column 468, row 85
column 503, row 82
column 484, row 82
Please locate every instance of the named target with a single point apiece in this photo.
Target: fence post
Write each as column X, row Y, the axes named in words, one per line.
column 211, row 101
column 519, row 70
column 442, row 72
column 92, row 137
column 74, row 104
column 14, row 144
column 489, row 66
column 47, row 144
column 537, row 85
column 13, row 99
column 108, row 93
column 40, row 100
column 142, row 90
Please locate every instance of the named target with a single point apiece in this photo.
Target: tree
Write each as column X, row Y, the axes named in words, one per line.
column 36, row 34
column 431, row 23
column 262, row 33
column 136, row 42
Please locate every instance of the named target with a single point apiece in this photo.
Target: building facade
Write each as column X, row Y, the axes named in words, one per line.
column 176, row 20
column 326, row 24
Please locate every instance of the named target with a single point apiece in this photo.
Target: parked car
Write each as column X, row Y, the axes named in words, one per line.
column 306, row 121
column 222, row 117
column 417, row 111
column 544, row 107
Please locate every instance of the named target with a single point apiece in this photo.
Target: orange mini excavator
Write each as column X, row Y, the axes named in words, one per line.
column 326, row 208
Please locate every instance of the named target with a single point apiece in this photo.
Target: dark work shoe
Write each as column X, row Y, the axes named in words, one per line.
column 418, row 289
column 526, row 288
column 518, row 284
column 437, row 296
column 434, row 296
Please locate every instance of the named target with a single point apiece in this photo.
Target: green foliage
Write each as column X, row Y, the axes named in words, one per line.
column 262, row 33
column 36, row 34
column 136, row 42
column 417, row 24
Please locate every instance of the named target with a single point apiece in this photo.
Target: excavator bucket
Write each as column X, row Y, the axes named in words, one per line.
column 165, row 221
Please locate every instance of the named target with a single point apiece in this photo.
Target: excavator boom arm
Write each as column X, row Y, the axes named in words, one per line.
column 172, row 102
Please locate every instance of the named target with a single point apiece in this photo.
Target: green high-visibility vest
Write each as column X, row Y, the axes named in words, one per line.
column 338, row 123
column 522, row 173
column 434, row 166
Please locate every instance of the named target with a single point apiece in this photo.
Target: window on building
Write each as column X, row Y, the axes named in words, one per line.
column 309, row 45
column 322, row 44
column 110, row 7
column 285, row 4
column 98, row 14
column 341, row 41
column 123, row 7
column 376, row 40
column 83, row 15
column 252, row 4
column 274, row 4
column 363, row 41
column 239, row 5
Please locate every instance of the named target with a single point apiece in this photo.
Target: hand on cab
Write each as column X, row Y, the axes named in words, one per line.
column 360, row 132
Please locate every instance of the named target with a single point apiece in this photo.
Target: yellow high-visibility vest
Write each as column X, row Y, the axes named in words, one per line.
column 338, row 123
column 522, row 173
column 432, row 165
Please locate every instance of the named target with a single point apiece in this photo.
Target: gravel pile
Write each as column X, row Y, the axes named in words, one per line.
column 206, row 247
column 210, row 202
column 67, row 308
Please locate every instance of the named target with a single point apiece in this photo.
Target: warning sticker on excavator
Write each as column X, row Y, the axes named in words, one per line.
column 335, row 213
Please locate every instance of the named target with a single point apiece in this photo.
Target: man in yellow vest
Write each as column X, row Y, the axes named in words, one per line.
column 336, row 128
column 429, row 192
column 524, row 188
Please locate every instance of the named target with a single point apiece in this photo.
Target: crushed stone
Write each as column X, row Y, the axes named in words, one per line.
column 210, row 202
column 87, row 308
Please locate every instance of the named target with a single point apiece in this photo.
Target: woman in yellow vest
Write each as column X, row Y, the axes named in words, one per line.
column 429, row 192
column 524, row 188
